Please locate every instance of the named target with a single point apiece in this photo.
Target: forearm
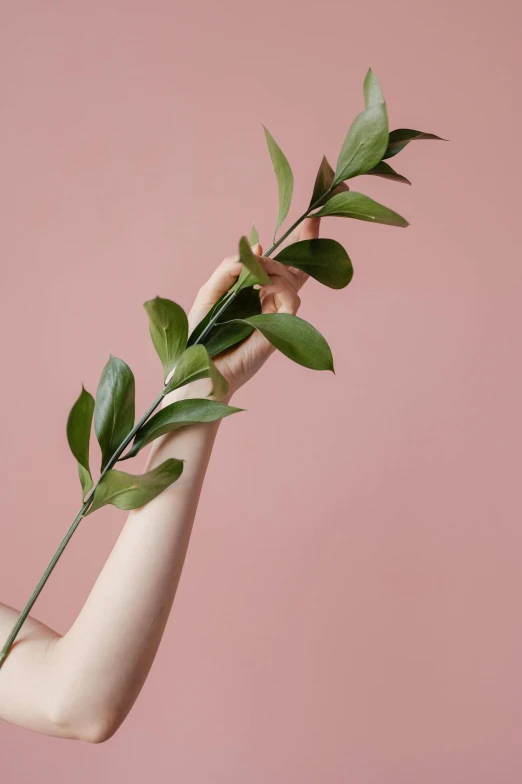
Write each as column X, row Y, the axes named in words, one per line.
column 103, row 660
column 82, row 685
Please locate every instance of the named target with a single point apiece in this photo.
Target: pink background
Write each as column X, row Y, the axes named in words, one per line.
column 350, row 605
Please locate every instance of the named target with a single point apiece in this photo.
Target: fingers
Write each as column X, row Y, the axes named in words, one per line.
column 223, row 277
column 280, row 297
column 275, row 268
column 227, row 272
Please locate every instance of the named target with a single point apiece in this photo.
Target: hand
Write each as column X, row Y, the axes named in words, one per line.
column 239, row 363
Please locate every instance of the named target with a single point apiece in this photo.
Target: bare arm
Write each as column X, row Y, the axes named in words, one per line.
column 83, row 684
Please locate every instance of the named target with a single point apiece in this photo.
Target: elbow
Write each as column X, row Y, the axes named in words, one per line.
column 99, row 731
column 94, row 726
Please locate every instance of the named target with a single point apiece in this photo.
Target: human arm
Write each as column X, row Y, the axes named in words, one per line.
column 83, row 684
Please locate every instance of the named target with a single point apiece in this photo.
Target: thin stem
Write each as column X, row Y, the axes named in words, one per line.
column 74, row 525
column 285, row 235
column 224, row 306
column 52, row 563
column 117, row 454
column 298, row 221
column 81, row 514
column 124, row 444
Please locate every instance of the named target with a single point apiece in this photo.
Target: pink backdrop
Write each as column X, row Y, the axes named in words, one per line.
column 350, row 605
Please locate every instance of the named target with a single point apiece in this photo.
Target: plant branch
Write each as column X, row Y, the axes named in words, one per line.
column 298, row 221
column 74, row 525
column 52, row 563
column 117, row 454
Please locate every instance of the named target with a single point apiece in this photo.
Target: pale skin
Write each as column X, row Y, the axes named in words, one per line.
column 81, row 685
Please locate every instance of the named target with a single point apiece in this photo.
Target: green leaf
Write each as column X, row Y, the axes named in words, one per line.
column 365, row 143
column 284, row 176
column 295, row 338
column 130, row 491
column 168, row 329
column 253, row 272
column 254, row 236
column 194, row 364
column 246, row 303
column 357, row 205
column 385, row 170
column 179, row 414
column 85, row 480
column 114, row 409
column 199, row 328
column 79, row 425
column 372, row 90
column 325, row 260
column 224, row 336
column 323, row 181
column 401, row 137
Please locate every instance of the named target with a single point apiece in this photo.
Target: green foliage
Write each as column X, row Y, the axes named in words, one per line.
column 230, row 320
column 295, row 338
column 284, row 176
column 365, row 143
column 238, row 312
column 114, row 408
column 179, row 414
column 199, row 329
column 325, row 260
column 323, row 182
column 372, row 90
column 357, row 205
column 224, row 336
column 168, row 329
column 401, row 137
column 195, row 363
column 130, row 491
column 253, row 272
column 79, row 436
column 383, row 169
